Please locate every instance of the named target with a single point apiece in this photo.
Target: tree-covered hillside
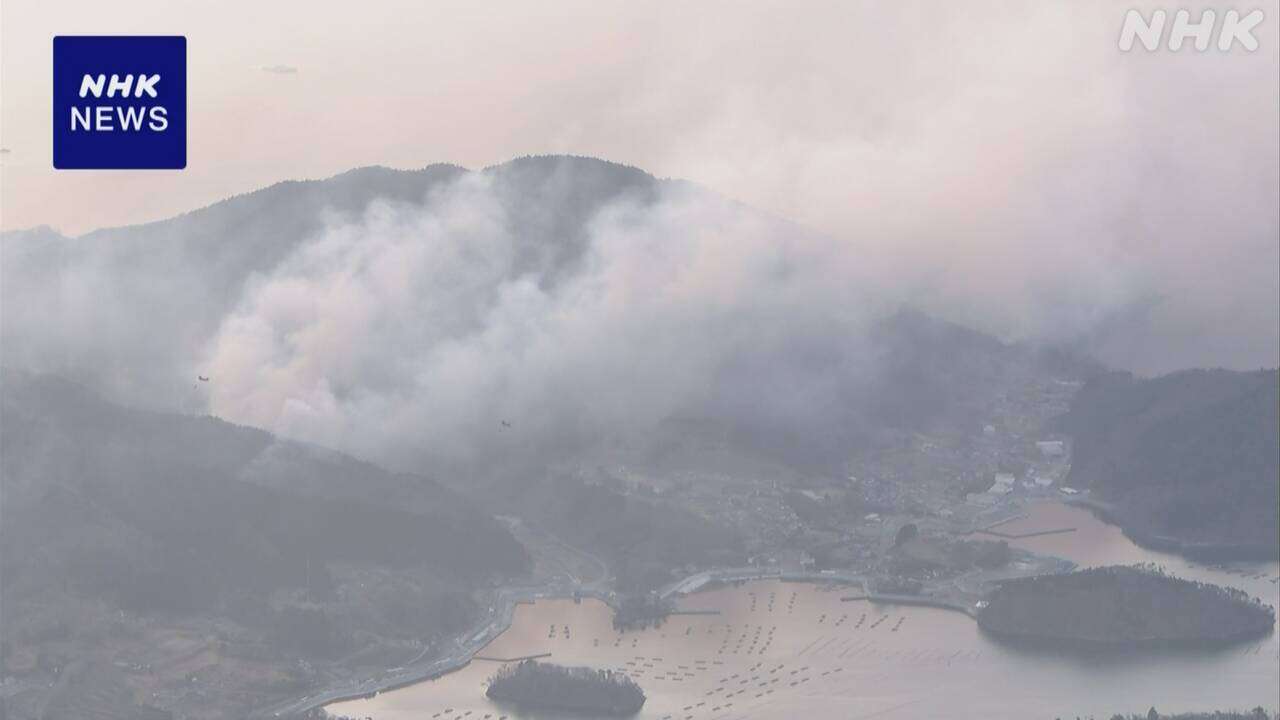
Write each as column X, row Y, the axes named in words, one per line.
column 1190, row 456
column 127, row 535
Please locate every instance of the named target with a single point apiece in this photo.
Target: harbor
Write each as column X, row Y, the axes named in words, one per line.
column 798, row 644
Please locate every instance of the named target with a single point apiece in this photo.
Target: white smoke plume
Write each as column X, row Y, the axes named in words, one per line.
column 409, row 332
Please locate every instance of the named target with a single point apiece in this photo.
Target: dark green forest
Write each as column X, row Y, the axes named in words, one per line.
column 1123, row 606
column 544, row 686
column 1189, row 458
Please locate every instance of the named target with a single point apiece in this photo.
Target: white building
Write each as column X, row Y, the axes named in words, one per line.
column 1052, row 448
column 1003, row 484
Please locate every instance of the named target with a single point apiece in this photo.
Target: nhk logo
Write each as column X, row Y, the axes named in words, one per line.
column 1236, row 28
column 100, row 117
column 119, row 102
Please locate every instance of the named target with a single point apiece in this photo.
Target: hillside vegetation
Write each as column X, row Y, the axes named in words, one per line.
column 1188, row 460
column 1123, row 606
column 123, row 528
column 541, row 686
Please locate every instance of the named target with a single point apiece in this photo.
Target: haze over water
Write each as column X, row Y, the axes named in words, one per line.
column 796, row 650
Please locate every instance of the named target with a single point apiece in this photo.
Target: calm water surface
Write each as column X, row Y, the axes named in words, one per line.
column 781, row 650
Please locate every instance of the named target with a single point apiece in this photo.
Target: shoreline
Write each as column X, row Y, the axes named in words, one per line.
column 486, row 632
column 913, row 601
column 1104, row 645
column 478, row 639
column 1199, row 551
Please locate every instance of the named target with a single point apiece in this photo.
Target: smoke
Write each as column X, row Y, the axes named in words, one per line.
column 1001, row 165
column 1005, row 165
column 412, row 334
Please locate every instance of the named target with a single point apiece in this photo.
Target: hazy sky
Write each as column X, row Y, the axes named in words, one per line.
column 981, row 152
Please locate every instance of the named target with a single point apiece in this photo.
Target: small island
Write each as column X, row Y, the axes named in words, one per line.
column 1123, row 607
column 541, row 686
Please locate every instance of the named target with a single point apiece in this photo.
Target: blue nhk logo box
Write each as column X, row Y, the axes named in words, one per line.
column 119, row 102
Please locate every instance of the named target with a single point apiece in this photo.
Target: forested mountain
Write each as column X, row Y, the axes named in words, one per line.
column 205, row 508
column 72, row 303
column 1190, row 457
column 591, row 304
column 115, row 517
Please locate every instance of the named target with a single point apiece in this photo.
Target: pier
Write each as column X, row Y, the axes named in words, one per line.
column 1021, row 536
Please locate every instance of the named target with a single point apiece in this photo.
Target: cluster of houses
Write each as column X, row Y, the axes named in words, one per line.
column 1005, row 482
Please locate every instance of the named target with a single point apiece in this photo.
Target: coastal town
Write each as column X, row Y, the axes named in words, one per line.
column 915, row 521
